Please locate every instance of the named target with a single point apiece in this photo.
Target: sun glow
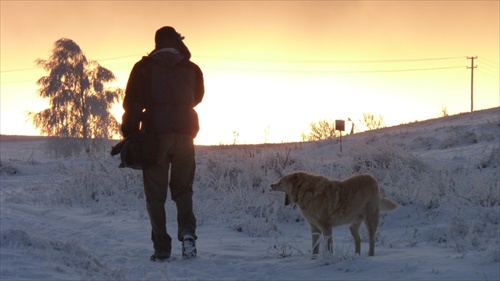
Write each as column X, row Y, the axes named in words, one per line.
column 272, row 68
column 249, row 94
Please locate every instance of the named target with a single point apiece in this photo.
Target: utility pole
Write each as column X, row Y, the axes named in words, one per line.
column 472, row 81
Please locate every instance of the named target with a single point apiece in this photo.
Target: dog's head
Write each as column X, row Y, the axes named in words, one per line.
column 290, row 185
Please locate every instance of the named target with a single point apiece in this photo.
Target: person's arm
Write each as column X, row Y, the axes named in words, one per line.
column 199, row 88
column 133, row 103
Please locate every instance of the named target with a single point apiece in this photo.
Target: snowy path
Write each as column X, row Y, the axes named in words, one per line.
column 41, row 243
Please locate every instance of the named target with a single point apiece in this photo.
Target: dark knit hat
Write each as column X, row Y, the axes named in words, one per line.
column 167, row 33
column 168, row 37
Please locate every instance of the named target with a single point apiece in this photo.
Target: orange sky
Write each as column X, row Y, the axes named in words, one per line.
column 272, row 67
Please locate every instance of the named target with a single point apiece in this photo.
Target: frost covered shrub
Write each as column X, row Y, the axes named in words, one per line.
column 284, row 248
column 64, row 147
column 7, row 168
column 380, row 160
column 98, row 182
column 491, row 158
column 472, row 187
column 399, row 172
column 242, row 209
column 233, row 183
column 407, row 179
column 473, row 229
column 465, row 191
column 218, row 168
column 68, row 147
column 461, row 136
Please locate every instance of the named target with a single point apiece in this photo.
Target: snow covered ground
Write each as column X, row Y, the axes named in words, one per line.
column 83, row 218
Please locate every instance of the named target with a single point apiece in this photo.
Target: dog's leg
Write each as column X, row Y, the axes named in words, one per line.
column 328, row 236
column 315, row 233
column 371, row 222
column 354, row 228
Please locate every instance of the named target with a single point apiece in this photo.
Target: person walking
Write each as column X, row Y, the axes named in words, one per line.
column 162, row 91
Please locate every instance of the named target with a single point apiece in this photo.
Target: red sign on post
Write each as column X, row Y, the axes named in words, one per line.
column 340, row 125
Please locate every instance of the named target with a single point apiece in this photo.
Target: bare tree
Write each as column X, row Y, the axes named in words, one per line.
column 79, row 102
column 320, row 130
column 372, row 122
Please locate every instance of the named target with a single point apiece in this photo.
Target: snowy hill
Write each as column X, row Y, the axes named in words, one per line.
column 83, row 218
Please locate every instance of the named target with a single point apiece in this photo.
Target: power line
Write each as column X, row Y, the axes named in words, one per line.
column 312, row 71
column 490, row 65
column 491, row 62
column 98, row 60
column 488, row 73
column 122, row 57
column 309, row 72
column 274, row 61
column 336, row 71
column 16, row 70
column 18, row 82
column 327, row 62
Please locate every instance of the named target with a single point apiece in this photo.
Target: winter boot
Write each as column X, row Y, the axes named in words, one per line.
column 188, row 247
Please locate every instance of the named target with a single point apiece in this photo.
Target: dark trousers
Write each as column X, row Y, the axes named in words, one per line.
column 176, row 155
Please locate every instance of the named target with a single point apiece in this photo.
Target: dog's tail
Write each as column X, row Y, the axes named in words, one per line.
column 387, row 204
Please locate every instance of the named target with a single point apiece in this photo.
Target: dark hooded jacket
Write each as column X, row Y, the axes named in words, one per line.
column 161, row 94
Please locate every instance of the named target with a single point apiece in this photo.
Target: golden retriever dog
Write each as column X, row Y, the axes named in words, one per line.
column 326, row 204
